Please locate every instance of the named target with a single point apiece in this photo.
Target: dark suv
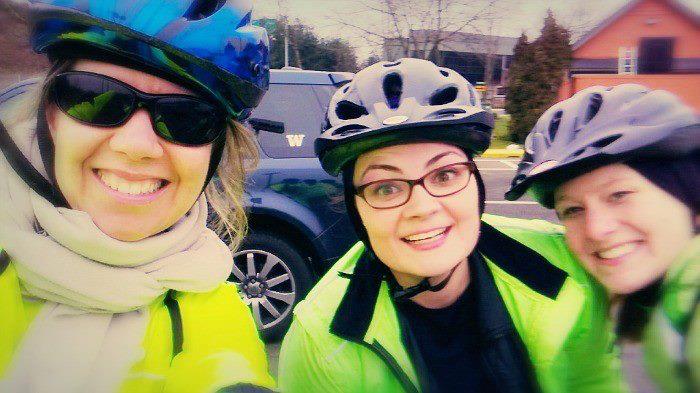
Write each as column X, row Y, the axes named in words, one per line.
column 297, row 223
column 298, row 226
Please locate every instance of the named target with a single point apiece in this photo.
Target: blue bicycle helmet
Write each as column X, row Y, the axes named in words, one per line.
column 210, row 45
column 599, row 126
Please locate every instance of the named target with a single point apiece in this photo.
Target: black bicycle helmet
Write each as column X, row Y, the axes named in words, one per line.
column 599, row 126
column 397, row 102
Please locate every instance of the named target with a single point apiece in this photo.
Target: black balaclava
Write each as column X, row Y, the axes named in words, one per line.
column 354, row 216
column 376, row 267
column 679, row 177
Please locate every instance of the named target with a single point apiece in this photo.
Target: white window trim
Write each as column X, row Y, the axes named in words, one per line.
column 627, row 60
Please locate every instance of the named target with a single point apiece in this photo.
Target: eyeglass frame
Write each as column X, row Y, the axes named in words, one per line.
column 471, row 167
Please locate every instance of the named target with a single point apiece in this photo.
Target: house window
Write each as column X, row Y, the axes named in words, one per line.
column 655, row 55
column 627, row 60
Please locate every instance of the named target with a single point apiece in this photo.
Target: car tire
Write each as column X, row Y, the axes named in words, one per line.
column 272, row 277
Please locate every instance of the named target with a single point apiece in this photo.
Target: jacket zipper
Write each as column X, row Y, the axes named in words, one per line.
column 398, row 372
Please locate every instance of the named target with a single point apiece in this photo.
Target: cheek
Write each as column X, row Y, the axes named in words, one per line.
column 74, row 146
column 189, row 164
column 575, row 241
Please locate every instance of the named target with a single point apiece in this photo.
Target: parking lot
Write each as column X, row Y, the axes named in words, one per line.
column 497, row 174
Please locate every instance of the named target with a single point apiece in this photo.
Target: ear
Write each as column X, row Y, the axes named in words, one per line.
column 51, row 112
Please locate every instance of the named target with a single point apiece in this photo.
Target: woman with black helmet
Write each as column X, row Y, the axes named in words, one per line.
column 109, row 278
column 437, row 297
column 621, row 167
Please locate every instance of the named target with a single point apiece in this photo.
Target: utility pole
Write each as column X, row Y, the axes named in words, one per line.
column 286, row 44
column 282, row 11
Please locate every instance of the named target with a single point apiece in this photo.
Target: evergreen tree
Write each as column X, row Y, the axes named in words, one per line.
column 555, row 50
column 535, row 76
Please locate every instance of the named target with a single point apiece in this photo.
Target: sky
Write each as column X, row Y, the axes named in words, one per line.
column 514, row 16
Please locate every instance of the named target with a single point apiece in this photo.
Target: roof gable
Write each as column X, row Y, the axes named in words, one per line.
column 675, row 5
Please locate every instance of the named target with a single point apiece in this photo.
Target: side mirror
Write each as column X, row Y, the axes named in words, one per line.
column 276, row 127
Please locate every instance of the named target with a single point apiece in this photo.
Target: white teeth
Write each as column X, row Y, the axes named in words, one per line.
column 426, row 235
column 129, row 187
column 617, row 252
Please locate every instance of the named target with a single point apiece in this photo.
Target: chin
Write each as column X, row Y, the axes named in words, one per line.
column 124, row 231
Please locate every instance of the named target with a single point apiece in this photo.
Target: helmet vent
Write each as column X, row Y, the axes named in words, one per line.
column 394, row 64
column 554, row 124
column 444, row 96
column 444, row 73
column 200, row 9
column 393, row 87
column 447, row 113
column 605, row 141
column 577, row 153
column 346, row 110
column 593, row 106
column 349, row 129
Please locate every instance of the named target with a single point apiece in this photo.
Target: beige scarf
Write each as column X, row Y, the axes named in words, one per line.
column 96, row 289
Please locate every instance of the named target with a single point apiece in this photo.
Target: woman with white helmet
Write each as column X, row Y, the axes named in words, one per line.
column 437, row 297
column 621, row 167
column 110, row 279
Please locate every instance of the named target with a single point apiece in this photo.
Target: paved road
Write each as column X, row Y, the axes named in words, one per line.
column 497, row 174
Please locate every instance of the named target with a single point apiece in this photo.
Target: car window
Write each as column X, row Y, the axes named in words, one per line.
column 302, row 109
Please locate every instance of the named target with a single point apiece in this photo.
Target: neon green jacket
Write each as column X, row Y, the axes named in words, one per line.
column 558, row 312
column 215, row 344
column 671, row 341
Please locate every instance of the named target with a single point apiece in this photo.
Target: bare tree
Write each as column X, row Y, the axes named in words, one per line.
column 418, row 28
column 578, row 20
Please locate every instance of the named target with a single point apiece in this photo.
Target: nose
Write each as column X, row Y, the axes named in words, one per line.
column 136, row 138
column 599, row 224
column 420, row 204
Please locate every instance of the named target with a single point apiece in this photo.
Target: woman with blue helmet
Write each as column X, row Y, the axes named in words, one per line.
column 621, row 167
column 437, row 296
column 110, row 279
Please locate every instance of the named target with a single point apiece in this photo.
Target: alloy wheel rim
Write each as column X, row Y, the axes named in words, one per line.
column 266, row 285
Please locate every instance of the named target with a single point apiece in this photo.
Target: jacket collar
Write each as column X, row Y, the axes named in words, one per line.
column 4, row 261
column 355, row 312
column 521, row 262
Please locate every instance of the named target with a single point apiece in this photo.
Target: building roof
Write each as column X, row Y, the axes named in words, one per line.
column 675, row 4
column 466, row 42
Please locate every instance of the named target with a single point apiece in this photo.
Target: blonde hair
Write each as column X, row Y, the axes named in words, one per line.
column 224, row 195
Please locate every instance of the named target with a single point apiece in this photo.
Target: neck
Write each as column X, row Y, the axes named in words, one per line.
column 446, row 296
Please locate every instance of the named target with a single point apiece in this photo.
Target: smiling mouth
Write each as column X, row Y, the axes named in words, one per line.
column 617, row 251
column 130, row 187
column 425, row 236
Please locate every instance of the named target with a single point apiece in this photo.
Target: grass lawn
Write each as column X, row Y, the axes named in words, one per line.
column 500, row 133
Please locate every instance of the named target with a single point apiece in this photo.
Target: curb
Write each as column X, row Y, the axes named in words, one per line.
column 503, row 153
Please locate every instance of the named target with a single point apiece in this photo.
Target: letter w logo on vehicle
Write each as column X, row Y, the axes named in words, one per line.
column 295, row 140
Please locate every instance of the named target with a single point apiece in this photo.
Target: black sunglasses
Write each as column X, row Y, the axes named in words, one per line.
column 101, row 101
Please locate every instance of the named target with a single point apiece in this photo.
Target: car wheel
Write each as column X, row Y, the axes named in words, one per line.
column 272, row 277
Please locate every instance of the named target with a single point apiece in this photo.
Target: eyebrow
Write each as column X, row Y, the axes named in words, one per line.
column 614, row 180
column 392, row 168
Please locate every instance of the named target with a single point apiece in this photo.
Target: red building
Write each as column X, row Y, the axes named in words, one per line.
column 655, row 43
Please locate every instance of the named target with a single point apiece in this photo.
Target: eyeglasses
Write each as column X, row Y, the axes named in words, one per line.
column 443, row 181
column 101, row 101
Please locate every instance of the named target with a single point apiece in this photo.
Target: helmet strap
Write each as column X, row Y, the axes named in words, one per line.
column 404, row 294
column 24, row 168
column 217, row 151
